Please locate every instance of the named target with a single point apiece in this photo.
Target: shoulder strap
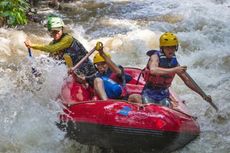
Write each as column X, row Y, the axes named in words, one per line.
column 151, row 52
column 141, row 73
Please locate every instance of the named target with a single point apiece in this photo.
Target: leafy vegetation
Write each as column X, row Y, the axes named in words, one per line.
column 14, row 11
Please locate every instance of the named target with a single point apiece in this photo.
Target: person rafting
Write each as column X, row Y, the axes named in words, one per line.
column 65, row 47
column 160, row 71
column 110, row 79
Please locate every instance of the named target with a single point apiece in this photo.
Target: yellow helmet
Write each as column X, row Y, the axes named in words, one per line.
column 168, row 39
column 97, row 58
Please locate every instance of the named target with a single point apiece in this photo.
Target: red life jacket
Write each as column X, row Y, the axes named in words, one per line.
column 162, row 81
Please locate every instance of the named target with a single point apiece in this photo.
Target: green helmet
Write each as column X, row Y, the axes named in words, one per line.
column 54, row 23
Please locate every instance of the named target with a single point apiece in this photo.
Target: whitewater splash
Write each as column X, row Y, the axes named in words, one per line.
column 128, row 29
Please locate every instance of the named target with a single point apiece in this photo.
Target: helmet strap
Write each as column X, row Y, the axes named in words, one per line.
column 95, row 67
column 162, row 50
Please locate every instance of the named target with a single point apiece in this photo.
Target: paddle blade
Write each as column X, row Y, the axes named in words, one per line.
column 35, row 72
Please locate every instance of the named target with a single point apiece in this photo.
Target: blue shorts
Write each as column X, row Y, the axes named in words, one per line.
column 112, row 89
column 158, row 96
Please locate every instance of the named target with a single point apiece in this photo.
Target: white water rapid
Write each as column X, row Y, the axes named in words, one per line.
column 128, row 28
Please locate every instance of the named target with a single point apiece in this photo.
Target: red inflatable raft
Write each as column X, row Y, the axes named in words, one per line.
column 125, row 126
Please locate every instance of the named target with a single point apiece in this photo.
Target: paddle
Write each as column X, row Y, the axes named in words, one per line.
column 202, row 92
column 34, row 71
column 97, row 47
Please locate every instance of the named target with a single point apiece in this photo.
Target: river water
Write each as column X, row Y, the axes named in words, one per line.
column 128, row 28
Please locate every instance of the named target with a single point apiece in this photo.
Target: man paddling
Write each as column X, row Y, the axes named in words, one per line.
column 160, row 72
column 64, row 46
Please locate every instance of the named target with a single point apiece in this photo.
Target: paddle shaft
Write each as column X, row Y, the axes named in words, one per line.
column 34, row 71
column 201, row 91
column 29, row 51
column 83, row 59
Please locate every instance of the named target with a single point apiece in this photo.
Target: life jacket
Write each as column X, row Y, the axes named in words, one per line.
column 114, row 85
column 160, row 81
column 76, row 51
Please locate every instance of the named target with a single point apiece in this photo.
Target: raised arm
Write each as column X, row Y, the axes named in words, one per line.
column 193, row 86
column 108, row 60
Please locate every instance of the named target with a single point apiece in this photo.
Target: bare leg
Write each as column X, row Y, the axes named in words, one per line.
column 135, row 98
column 99, row 88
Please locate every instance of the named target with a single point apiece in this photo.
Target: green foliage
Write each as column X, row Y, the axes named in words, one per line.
column 14, row 11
